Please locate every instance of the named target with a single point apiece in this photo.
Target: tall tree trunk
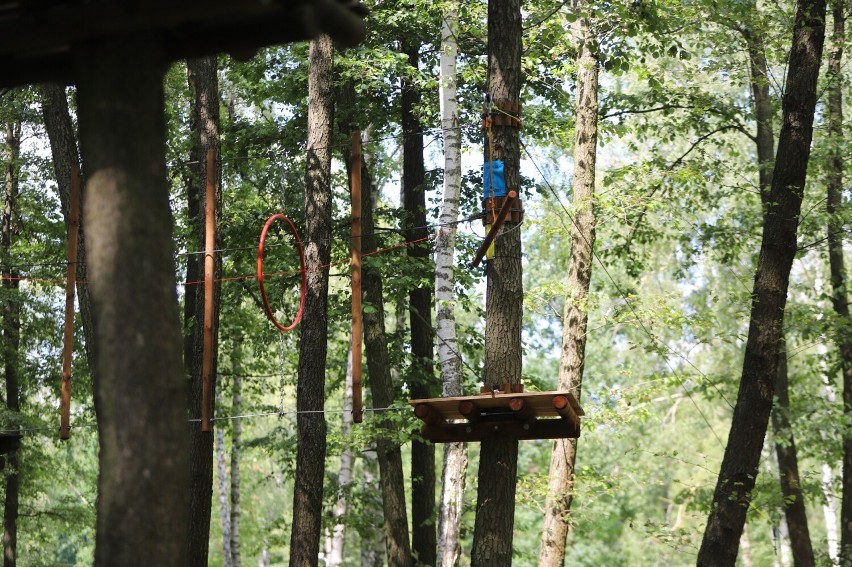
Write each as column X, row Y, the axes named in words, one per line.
column 337, row 538
column 313, row 346
column 144, row 445
column 455, row 454
column 422, row 376
column 785, row 446
column 829, row 512
column 560, row 490
column 739, row 468
column 11, row 338
column 495, row 503
column 837, row 266
column 224, row 506
column 372, row 538
column 236, row 448
column 788, row 468
column 63, row 148
column 381, row 386
column 202, row 76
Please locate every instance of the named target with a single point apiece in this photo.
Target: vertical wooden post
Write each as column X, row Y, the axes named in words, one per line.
column 70, row 283
column 209, row 270
column 357, row 404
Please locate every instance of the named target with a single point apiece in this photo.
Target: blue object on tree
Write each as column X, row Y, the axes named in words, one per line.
column 493, row 171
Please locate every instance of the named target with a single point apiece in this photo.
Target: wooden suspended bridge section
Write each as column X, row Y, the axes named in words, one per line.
column 509, row 412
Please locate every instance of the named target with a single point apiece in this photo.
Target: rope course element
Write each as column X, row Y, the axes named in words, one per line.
column 304, row 287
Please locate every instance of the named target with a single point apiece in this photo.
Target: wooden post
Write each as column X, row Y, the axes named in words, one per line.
column 357, row 409
column 498, row 222
column 209, row 272
column 562, row 405
column 70, row 283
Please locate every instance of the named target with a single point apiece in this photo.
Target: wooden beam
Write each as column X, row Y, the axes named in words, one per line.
column 208, row 352
column 566, row 411
column 426, row 414
column 357, row 317
column 469, row 432
column 70, row 288
column 522, row 409
column 470, row 410
column 492, row 234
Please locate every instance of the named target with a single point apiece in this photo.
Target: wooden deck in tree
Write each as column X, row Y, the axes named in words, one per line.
column 520, row 415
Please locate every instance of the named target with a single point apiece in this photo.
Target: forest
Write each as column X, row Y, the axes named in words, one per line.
column 230, row 262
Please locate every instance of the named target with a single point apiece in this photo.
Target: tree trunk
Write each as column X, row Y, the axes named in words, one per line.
column 144, row 446
column 778, row 248
column 63, row 148
column 829, row 512
column 495, row 503
column 575, row 316
column 202, row 76
column 11, row 338
column 788, row 468
column 372, row 537
column 381, row 386
column 455, row 454
column 310, row 396
column 337, row 538
column 785, row 447
column 236, row 448
column 839, row 293
column 224, row 507
column 422, row 375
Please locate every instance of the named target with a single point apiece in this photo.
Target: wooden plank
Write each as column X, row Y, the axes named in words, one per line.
column 208, row 337
column 357, row 317
column 471, row 432
column 70, row 287
column 540, row 402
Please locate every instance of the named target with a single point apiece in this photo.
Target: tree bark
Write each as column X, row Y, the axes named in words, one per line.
column 337, row 538
column 144, row 446
column 785, row 446
column 372, row 537
column 575, row 316
column 11, row 338
column 495, row 503
column 422, row 375
column 455, row 454
column 388, row 453
column 739, row 467
column 310, row 397
column 837, row 265
column 202, row 76
column 788, row 468
column 236, row 449
column 224, row 507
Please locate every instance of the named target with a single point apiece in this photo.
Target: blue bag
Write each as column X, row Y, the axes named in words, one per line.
column 493, row 170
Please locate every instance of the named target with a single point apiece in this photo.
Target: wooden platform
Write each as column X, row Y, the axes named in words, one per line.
column 520, row 415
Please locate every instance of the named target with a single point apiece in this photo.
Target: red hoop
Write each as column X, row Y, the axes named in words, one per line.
column 303, row 293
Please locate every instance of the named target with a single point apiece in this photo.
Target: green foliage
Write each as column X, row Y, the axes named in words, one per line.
column 678, row 227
